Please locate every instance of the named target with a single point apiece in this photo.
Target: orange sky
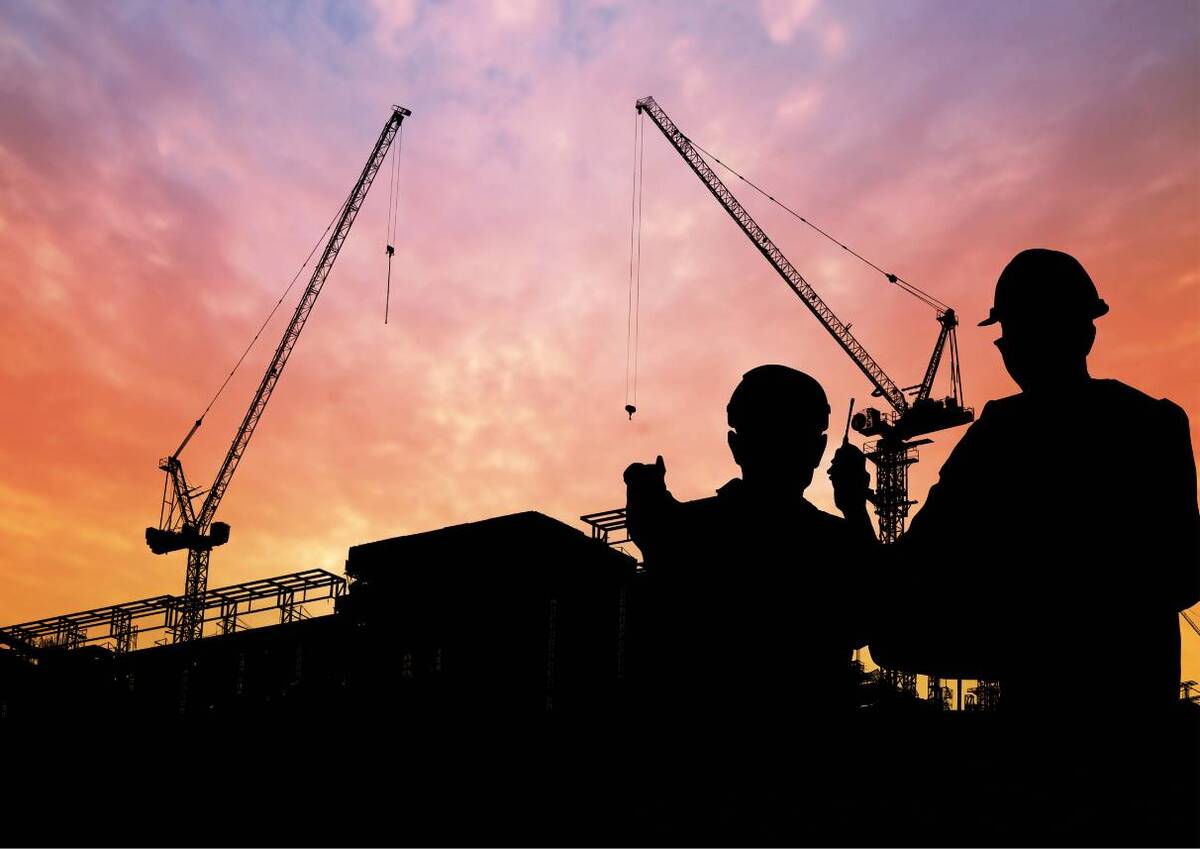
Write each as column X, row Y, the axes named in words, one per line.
column 165, row 169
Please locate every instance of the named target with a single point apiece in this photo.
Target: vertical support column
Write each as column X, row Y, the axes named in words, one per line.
column 891, row 458
column 228, row 621
column 121, row 629
column 551, row 652
column 622, row 618
column 191, row 610
column 239, row 683
column 933, row 692
column 69, row 635
column 287, row 606
column 988, row 695
column 185, row 686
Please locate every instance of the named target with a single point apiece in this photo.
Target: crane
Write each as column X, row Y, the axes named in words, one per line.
column 894, row 451
column 182, row 523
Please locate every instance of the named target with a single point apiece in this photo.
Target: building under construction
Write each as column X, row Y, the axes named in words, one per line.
column 485, row 669
column 518, row 616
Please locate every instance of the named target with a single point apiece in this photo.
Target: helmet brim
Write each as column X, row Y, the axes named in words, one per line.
column 1100, row 308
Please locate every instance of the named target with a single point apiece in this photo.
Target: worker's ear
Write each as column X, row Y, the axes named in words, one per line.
column 732, row 438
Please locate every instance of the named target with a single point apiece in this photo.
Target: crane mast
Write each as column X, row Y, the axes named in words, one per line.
column 181, row 525
column 895, row 450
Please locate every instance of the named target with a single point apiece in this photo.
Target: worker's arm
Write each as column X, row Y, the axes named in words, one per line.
column 851, row 484
column 651, row 513
column 926, row 617
column 1178, row 540
column 904, row 580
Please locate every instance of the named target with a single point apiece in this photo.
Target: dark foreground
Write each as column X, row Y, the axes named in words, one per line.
column 946, row 779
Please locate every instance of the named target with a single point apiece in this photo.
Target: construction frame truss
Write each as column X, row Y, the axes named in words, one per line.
column 607, row 522
column 115, row 624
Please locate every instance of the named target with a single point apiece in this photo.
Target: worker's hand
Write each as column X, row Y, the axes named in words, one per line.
column 646, row 481
column 851, row 481
column 645, row 495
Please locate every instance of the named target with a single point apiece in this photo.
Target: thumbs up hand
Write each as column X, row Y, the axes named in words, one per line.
column 646, row 497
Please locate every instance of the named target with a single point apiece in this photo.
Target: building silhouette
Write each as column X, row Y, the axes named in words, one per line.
column 480, row 684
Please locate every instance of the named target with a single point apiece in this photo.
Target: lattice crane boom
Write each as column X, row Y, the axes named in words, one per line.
column 949, row 321
column 892, row 453
column 181, row 525
column 884, row 385
column 300, row 316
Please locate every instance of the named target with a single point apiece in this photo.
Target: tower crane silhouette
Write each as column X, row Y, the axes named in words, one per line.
column 182, row 523
column 894, row 450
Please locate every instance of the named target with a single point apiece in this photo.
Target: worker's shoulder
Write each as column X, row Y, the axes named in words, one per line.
column 1125, row 400
column 1113, row 393
column 1123, row 393
column 829, row 526
column 828, row 520
column 700, row 509
column 999, row 410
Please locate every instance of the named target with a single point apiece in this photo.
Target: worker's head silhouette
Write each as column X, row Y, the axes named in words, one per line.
column 778, row 417
column 1045, row 304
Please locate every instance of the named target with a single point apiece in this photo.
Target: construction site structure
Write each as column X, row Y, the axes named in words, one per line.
column 184, row 524
column 895, row 450
column 119, row 625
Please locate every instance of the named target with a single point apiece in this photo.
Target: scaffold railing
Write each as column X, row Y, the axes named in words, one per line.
column 607, row 522
column 119, row 623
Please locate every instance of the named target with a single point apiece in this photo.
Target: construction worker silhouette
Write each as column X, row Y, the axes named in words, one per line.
column 1062, row 536
column 749, row 591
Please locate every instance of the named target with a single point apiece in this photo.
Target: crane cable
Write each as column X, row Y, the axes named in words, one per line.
column 924, row 297
column 632, row 319
column 635, row 259
column 271, row 314
column 393, row 217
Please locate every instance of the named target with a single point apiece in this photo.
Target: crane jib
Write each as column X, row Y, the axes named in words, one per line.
column 180, row 525
column 299, row 317
column 836, row 328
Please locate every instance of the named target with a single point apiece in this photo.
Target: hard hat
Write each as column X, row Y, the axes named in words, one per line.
column 1045, row 283
column 779, row 394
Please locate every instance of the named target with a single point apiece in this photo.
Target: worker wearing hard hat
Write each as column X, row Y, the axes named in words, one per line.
column 750, row 592
column 1062, row 537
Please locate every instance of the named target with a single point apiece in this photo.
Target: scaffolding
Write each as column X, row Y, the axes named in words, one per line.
column 122, row 630
column 904, row 683
column 115, row 624
column 938, row 693
column 605, row 523
column 984, row 697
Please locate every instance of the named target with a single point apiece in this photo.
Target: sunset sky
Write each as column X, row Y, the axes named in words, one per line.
column 166, row 167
